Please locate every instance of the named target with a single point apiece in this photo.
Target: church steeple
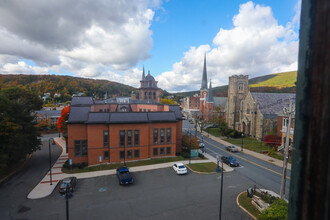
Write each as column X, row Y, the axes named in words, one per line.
column 143, row 74
column 204, row 78
column 210, row 96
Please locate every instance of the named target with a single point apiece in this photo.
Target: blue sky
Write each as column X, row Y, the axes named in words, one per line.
column 115, row 39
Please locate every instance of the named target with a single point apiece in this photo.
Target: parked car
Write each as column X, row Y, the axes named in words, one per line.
column 180, row 168
column 68, row 183
column 232, row 148
column 124, row 176
column 230, row 161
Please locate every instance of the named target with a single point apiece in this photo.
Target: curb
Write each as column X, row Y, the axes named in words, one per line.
column 16, row 170
column 246, row 211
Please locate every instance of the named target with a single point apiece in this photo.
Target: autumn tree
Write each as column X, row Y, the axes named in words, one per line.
column 61, row 125
column 168, row 101
column 18, row 134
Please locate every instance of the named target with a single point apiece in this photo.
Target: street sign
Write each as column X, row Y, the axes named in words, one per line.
column 70, row 161
column 100, row 159
column 218, row 158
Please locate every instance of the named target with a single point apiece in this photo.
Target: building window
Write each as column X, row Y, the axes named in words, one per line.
column 154, row 95
column 136, row 153
column 168, row 135
column 162, row 136
column 155, row 151
column 105, row 139
column 105, row 155
column 122, row 138
column 101, row 110
column 80, row 148
column 129, row 138
column 121, row 154
column 136, row 137
column 155, row 136
column 129, row 154
column 162, row 151
column 168, row 150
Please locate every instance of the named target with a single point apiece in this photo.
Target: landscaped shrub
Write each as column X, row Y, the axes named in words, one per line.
column 278, row 210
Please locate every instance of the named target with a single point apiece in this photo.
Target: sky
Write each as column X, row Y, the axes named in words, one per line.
column 114, row 40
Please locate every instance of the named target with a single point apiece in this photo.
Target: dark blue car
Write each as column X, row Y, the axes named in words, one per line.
column 230, row 161
column 124, row 176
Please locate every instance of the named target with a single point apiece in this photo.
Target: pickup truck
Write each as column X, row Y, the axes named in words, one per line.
column 124, row 176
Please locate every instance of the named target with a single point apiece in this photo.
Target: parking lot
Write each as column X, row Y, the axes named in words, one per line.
column 156, row 194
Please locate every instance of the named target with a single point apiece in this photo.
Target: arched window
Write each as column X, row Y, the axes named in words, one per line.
column 154, row 95
column 145, row 95
column 150, row 95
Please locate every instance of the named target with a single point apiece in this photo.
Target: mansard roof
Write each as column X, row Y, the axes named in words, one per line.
column 273, row 103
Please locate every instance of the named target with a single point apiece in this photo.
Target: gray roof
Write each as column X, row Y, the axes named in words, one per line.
column 83, row 115
column 49, row 113
column 220, row 101
column 273, row 103
column 82, row 100
column 210, row 95
column 98, row 117
column 176, row 110
column 78, row 114
column 204, row 77
column 149, row 77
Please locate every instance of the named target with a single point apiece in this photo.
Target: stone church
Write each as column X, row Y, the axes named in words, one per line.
column 255, row 114
column 148, row 88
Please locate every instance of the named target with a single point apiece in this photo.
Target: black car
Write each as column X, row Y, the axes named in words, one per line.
column 68, row 183
column 124, row 176
column 230, row 161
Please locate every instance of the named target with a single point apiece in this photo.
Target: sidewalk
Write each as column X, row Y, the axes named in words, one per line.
column 44, row 189
column 266, row 158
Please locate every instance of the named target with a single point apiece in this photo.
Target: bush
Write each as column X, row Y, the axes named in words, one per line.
column 278, row 210
column 66, row 165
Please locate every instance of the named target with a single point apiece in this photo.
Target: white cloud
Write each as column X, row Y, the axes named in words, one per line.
column 84, row 38
column 256, row 45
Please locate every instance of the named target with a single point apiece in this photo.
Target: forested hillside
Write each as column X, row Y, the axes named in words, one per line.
column 65, row 85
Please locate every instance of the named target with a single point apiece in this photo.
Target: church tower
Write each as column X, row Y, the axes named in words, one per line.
column 148, row 88
column 237, row 91
column 203, row 91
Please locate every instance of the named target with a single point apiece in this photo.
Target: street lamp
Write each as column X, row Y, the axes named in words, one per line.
column 190, row 146
column 242, row 141
column 221, row 189
column 50, row 159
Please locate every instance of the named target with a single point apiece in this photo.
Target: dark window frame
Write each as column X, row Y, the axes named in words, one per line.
column 155, row 136
column 168, row 150
column 106, row 157
column 168, row 135
column 105, row 138
column 122, row 135
column 129, row 154
column 136, row 137
column 80, row 148
column 121, row 154
column 155, row 151
column 162, row 136
column 129, row 138
column 162, row 151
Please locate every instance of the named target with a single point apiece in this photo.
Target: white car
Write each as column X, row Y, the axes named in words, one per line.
column 179, row 168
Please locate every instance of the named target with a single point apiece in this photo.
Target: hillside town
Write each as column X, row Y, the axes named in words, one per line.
column 104, row 114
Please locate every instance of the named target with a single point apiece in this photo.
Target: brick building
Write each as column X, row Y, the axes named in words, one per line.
column 122, row 129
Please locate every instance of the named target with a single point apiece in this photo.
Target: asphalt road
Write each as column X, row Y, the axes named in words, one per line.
column 13, row 199
column 156, row 194
column 263, row 174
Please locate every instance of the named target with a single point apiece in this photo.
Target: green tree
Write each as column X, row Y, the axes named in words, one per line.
column 18, row 134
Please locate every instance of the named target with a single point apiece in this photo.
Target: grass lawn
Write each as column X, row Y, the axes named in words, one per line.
column 128, row 164
column 245, row 202
column 203, row 167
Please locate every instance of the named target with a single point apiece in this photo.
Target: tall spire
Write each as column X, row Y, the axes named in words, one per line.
column 210, row 95
column 143, row 75
column 204, row 79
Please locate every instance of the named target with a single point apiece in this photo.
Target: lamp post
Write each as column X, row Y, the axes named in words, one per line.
column 190, row 146
column 221, row 190
column 242, row 141
column 67, row 202
column 50, row 159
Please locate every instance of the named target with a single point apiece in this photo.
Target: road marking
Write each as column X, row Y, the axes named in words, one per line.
column 53, row 181
column 246, row 159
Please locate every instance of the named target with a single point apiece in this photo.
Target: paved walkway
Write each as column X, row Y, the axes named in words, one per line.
column 264, row 157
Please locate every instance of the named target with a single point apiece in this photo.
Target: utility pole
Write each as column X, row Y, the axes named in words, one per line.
column 286, row 147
